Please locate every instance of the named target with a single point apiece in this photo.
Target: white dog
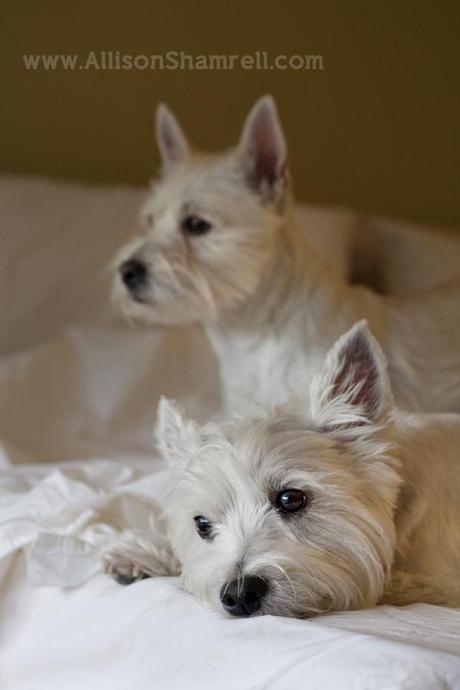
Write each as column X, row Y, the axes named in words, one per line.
column 220, row 246
column 334, row 503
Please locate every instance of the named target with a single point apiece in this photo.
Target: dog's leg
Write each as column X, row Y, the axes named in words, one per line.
column 132, row 556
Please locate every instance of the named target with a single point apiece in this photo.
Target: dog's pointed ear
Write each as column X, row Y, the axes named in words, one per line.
column 172, row 142
column 176, row 435
column 352, row 391
column 263, row 150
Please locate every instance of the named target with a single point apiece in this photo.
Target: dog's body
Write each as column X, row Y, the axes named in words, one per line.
column 277, row 340
column 328, row 503
column 427, row 560
column 221, row 247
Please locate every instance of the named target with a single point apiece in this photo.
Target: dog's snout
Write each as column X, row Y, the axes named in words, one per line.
column 133, row 273
column 243, row 598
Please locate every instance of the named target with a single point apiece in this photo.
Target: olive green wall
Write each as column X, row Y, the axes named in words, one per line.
column 377, row 128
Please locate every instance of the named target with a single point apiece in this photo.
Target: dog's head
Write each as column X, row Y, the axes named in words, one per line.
column 210, row 224
column 290, row 513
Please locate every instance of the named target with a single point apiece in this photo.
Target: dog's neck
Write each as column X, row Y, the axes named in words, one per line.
column 299, row 300
column 294, row 277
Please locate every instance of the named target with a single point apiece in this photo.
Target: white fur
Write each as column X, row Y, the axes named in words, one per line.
column 382, row 522
column 270, row 306
column 133, row 555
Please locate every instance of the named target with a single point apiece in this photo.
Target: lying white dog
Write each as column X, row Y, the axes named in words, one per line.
column 338, row 502
column 221, row 247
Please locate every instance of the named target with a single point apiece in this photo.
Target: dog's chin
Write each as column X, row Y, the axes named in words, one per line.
column 285, row 610
column 140, row 310
column 133, row 310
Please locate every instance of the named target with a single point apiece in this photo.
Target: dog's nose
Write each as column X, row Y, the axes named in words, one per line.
column 243, row 598
column 133, row 273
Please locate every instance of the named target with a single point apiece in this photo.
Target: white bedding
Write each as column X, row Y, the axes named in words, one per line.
column 78, row 392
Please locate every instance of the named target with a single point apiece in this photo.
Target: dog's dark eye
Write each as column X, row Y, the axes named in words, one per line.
column 149, row 220
column 193, row 225
column 290, row 500
column 203, row 526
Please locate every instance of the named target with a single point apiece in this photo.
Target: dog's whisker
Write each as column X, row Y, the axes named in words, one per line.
column 286, row 576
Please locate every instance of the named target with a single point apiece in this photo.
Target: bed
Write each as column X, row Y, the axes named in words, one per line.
column 78, row 392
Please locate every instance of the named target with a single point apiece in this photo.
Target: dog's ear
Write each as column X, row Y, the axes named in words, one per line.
column 352, row 391
column 172, row 142
column 176, row 435
column 263, row 150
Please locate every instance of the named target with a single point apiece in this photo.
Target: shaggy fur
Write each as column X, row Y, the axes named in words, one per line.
column 382, row 516
column 270, row 306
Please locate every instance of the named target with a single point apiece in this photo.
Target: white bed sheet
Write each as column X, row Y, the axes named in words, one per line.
column 78, row 392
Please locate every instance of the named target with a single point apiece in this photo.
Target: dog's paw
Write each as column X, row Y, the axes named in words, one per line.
column 124, row 571
column 132, row 557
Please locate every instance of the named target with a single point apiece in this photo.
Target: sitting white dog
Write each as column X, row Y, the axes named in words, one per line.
column 338, row 502
column 221, row 247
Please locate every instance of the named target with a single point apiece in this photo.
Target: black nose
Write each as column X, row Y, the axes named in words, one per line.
column 243, row 598
column 133, row 273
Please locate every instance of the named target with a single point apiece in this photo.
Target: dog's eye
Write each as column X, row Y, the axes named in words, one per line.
column 203, row 526
column 149, row 220
column 193, row 225
column 290, row 500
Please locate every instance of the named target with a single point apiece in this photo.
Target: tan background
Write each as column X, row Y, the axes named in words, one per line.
column 378, row 128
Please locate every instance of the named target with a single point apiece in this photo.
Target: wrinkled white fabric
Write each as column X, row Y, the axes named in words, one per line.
column 78, row 394
column 153, row 635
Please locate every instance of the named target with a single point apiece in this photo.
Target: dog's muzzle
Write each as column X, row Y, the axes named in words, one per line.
column 243, row 598
column 134, row 275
